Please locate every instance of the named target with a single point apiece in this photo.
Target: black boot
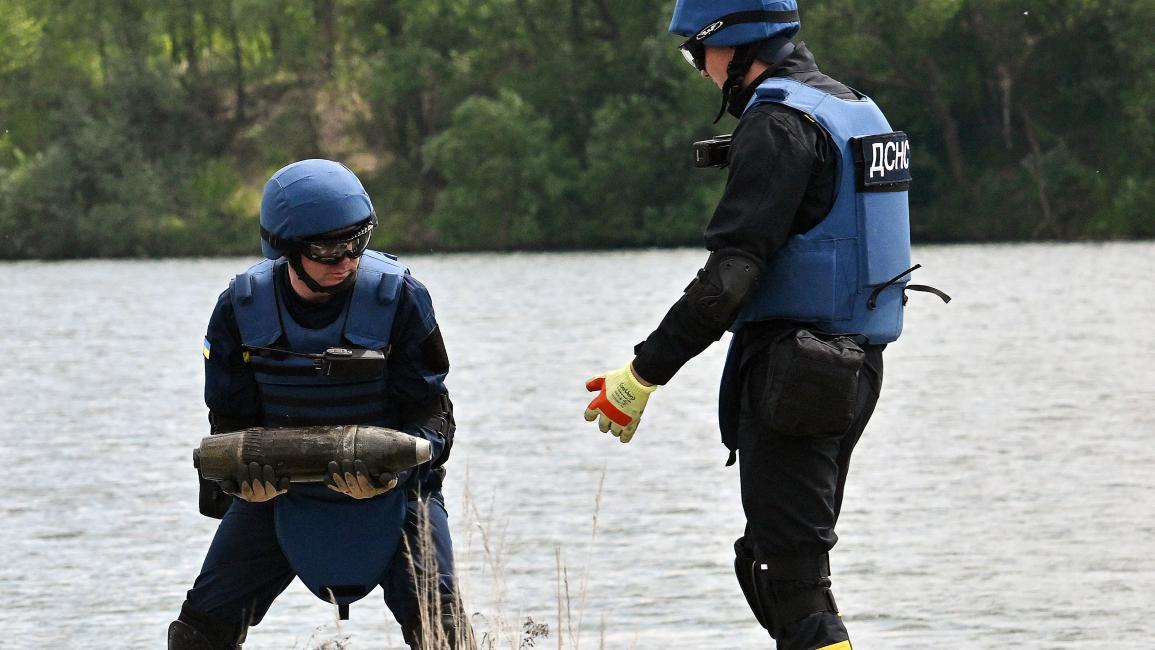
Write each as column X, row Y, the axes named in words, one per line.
column 182, row 636
column 194, row 630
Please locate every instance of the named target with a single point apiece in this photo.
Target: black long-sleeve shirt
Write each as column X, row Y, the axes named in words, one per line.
column 782, row 178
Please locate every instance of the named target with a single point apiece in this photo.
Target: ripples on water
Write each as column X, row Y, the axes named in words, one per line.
column 1001, row 497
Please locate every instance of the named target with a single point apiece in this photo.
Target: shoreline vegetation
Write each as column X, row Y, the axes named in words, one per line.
column 404, row 253
column 138, row 129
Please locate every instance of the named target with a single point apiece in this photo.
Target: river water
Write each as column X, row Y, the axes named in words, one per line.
column 1002, row 497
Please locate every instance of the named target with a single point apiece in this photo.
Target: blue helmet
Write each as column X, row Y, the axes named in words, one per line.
column 727, row 23
column 308, row 198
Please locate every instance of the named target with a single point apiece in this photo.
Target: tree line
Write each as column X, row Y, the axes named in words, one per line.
column 147, row 128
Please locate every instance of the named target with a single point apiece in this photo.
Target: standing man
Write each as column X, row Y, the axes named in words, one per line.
column 809, row 256
column 321, row 288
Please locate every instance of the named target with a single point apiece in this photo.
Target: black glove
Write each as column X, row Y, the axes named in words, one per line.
column 258, row 484
column 352, row 478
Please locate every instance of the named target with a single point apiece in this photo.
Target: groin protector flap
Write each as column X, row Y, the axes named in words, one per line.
column 333, row 540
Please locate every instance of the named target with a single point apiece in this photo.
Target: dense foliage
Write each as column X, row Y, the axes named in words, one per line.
column 134, row 127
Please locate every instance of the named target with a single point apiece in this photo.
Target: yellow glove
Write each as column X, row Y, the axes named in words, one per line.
column 620, row 402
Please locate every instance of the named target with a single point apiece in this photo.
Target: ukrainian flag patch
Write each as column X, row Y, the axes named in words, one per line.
column 207, row 349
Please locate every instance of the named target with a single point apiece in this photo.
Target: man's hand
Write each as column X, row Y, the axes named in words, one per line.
column 352, row 478
column 257, row 485
column 621, row 399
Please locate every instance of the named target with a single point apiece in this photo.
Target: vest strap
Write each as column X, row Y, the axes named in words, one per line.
column 373, row 418
column 794, row 567
column 798, row 605
column 276, row 370
column 873, row 302
column 324, row 401
column 256, row 351
column 927, row 289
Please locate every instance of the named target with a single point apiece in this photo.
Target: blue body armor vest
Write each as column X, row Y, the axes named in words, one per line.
column 339, row 546
column 848, row 273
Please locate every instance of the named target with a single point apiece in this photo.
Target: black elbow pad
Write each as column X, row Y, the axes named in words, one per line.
column 724, row 286
column 435, row 414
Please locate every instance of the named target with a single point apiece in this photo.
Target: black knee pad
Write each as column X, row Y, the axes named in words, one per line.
column 194, row 630
column 782, row 590
column 748, row 580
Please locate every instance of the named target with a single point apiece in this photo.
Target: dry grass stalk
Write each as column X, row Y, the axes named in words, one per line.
column 502, row 630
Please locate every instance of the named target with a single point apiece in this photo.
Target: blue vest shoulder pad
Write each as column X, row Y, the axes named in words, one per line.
column 379, row 280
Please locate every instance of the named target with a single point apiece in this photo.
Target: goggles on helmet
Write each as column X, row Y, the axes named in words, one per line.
column 694, row 51
column 332, row 250
column 694, row 48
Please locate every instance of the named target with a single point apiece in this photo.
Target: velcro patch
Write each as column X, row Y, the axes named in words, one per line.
column 207, row 349
column 882, row 162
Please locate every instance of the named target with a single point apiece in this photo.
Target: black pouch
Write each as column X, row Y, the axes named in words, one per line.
column 213, row 501
column 805, row 384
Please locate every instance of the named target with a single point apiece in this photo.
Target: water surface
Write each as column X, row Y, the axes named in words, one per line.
column 1000, row 498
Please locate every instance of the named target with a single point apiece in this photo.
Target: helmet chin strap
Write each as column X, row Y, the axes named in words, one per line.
column 337, row 289
column 736, row 70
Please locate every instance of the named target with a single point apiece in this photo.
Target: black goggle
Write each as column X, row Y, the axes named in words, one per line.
column 694, row 51
column 694, row 48
column 332, row 251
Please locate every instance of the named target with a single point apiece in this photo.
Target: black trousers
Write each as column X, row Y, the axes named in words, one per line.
column 245, row 570
column 792, row 491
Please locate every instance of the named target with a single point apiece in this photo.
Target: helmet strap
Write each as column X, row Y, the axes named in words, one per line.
column 736, row 70
column 337, row 289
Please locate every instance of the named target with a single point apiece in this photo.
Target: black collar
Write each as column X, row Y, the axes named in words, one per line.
column 312, row 315
column 798, row 60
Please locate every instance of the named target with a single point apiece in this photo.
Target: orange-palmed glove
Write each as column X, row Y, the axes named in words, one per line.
column 620, row 402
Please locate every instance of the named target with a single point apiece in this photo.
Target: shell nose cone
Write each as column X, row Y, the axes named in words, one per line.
column 424, row 450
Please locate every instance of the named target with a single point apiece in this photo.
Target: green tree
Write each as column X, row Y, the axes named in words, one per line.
column 130, row 127
column 506, row 179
